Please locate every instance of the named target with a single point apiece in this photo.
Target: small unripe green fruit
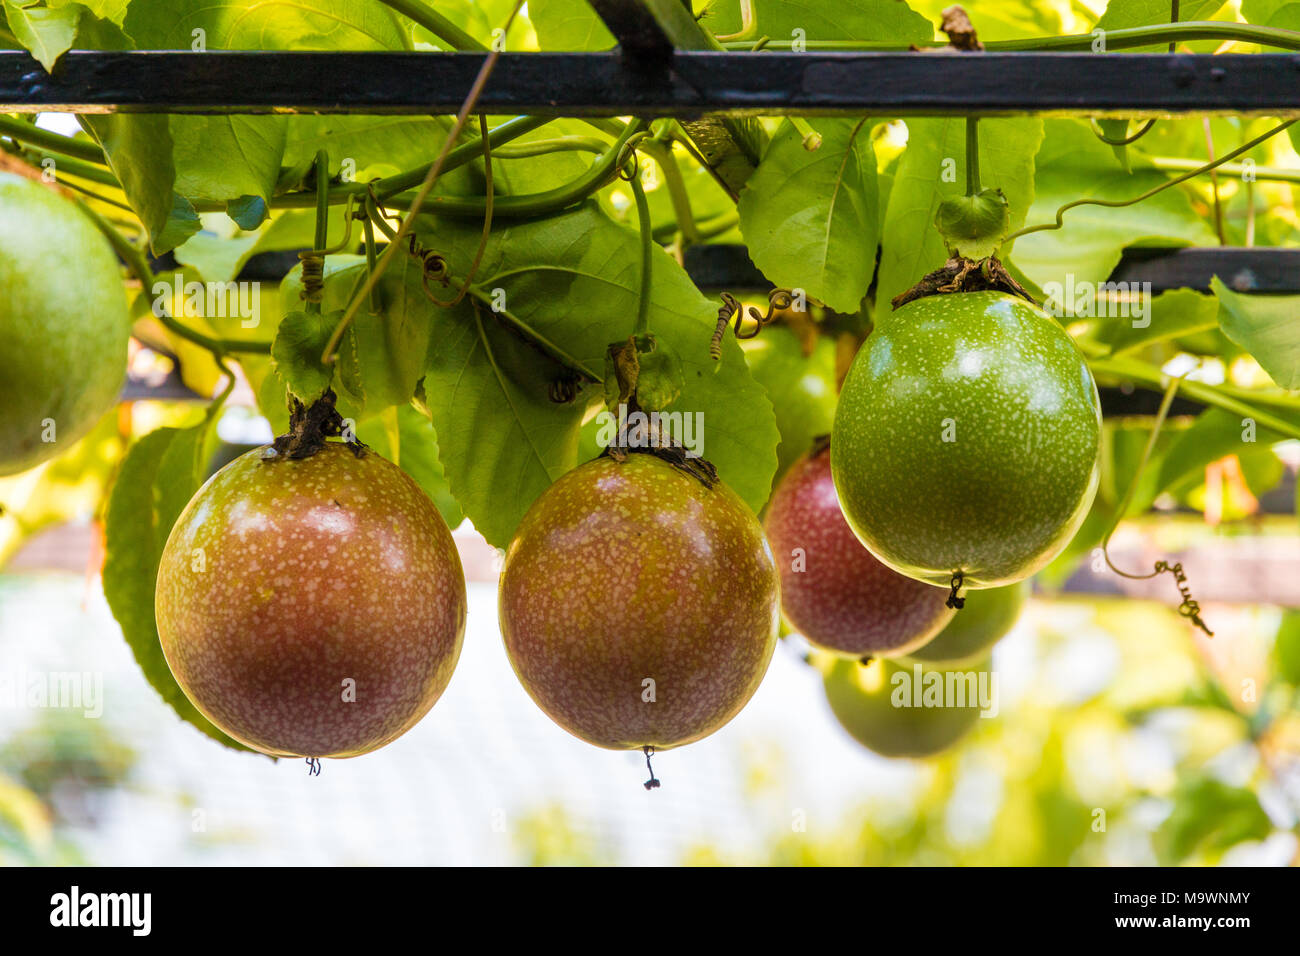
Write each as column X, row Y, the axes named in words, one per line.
column 878, row 705
column 311, row 608
column 981, row 623
column 802, row 388
column 65, row 324
column 966, row 439
column 638, row 606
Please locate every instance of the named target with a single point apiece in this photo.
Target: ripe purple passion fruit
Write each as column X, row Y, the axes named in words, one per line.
column 638, row 606
column 833, row 591
column 314, row 607
column 966, row 439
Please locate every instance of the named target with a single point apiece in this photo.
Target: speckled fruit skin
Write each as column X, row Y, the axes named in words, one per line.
column 984, row 621
column 861, row 700
column 314, row 571
column 843, row 599
column 1003, row 498
column 64, row 321
column 634, row 570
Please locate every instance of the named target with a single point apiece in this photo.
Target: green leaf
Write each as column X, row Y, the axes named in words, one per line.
column 1007, row 19
column 158, row 477
column 568, row 25
column 1215, row 434
column 111, row 10
column 1121, row 14
column 1116, row 129
column 369, row 145
column 45, row 32
column 1209, row 817
column 566, row 287
column 299, row 343
column 932, row 170
column 1074, row 164
column 388, row 347
column 502, row 440
column 415, row 451
column 877, row 20
column 265, row 25
column 139, row 149
column 810, row 218
column 1172, row 315
column 217, row 258
column 974, row 226
column 1270, row 12
column 1286, row 648
column 1266, row 327
column 227, row 159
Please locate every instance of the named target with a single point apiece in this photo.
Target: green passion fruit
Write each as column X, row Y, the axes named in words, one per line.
column 983, row 621
column 638, row 605
column 966, row 439
column 906, row 709
column 64, row 316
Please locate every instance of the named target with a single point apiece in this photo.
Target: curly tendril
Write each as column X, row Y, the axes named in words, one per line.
column 777, row 300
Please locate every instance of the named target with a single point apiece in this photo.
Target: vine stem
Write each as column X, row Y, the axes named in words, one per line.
column 1262, row 173
column 1150, row 376
column 1119, row 203
column 1170, row 391
column 1124, row 39
column 322, row 217
column 407, row 224
column 139, row 267
column 435, row 23
column 972, row 155
column 642, row 325
column 54, row 142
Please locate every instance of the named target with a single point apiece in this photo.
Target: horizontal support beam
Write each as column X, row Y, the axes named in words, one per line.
column 691, row 84
column 1265, row 271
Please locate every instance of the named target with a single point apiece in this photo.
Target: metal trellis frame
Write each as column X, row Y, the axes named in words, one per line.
column 682, row 83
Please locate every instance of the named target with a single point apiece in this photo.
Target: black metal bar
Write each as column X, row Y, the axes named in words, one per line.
column 692, row 84
column 648, row 33
column 1258, row 271
column 638, row 27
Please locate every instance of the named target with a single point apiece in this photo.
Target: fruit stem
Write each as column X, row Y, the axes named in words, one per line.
column 652, row 783
column 642, row 325
column 954, row 601
column 312, row 290
column 972, row 155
